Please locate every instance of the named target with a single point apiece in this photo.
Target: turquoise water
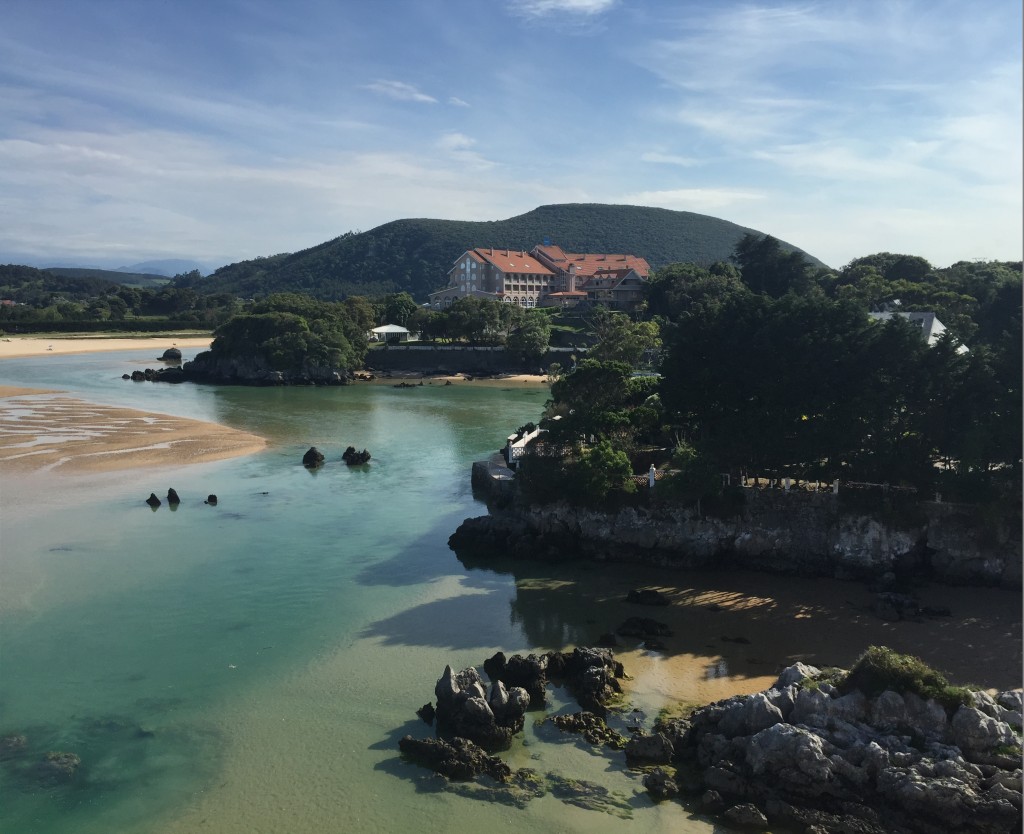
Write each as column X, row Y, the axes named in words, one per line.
column 250, row 667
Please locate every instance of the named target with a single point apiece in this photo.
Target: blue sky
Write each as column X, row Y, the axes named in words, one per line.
column 226, row 129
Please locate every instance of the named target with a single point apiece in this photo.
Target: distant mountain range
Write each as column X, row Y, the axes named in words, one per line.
column 114, row 276
column 415, row 255
column 169, row 267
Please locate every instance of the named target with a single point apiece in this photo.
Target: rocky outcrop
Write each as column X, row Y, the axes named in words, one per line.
column 809, row 534
column 172, row 354
column 811, row 758
column 459, row 759
column 250, row 370
column 313, row 458
column 491, row 716
column 466, row 709
column 355, row 458
column 153, row 501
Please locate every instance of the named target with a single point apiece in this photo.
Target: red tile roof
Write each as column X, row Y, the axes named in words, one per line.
column 512, row 260
column 588, row 264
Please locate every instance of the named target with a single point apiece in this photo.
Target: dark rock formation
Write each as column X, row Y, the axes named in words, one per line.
column 211, row 499
column 466, row 709
column 643, row 627
column 153, row 501
column 808, row 534
column 172, row 498
column 313, row 457
column 590, row 674
column 248, row 370
column 354, row 458
column 592, row 727
column 660, row 785
column 172, row 354
column 808, row 757
column 649, row 749
column 460, row 759
column 647, row 596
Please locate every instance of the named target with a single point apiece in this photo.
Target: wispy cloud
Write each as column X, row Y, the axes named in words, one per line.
column 400, row 91
column 460, row 147
column 455, row 101
column 543, row 8
column 668, row 159
column 692, row 199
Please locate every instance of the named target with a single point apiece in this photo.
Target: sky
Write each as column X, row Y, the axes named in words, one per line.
column 221, row 130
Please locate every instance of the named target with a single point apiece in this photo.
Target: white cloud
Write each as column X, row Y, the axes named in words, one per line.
column 543, row 8
column 668, row 159
column 691, row 199
column 401, row 91
column 455, row 101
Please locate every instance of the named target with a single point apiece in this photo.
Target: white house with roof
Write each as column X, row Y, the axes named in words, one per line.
column 544, row 276
column 928, row 323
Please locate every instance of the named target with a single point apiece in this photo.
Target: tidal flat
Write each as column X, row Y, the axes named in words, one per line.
column 251, row 666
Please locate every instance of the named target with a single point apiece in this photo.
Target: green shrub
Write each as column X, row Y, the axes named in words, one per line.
column 881, row 668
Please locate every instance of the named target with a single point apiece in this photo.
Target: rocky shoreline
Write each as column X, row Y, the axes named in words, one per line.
column 822, row 758
column 820, row 751
column 810, row 534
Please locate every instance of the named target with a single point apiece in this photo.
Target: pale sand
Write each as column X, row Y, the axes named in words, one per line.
column 16, row 347
column 415, row 377
column 47, row 430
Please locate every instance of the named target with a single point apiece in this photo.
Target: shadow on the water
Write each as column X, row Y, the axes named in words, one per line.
column 749, row 624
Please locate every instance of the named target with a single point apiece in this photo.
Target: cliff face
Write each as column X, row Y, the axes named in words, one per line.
column 253, row 371
column 805, row 534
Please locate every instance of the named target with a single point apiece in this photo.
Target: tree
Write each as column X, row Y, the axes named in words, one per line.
column 602, row 469
column 620, row 339
column 530, row 340
column 398, row 307
column 767, row 268
column 591, row 400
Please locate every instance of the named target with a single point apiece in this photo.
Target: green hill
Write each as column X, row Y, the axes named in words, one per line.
column 112, row 276
column 415, row 255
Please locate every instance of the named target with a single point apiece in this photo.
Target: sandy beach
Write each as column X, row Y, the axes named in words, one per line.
column 51, row 431
column 46, row 430
column 17, row 347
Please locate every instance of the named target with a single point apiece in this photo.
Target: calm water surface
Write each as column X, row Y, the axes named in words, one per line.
column 250, row 667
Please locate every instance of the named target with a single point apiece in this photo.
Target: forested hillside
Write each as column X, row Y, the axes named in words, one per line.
column 414, row 255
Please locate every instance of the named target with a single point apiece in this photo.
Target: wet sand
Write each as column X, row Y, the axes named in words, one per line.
column 50, row 431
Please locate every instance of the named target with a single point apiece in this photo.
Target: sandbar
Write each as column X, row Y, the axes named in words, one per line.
column 52, row 431
column 18, row 347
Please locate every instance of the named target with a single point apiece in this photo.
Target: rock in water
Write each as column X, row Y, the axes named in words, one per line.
column 172, row 497
column 153, row 501
column 211, row 499
column 354, row 458
column 172, row 354
column 313, row 457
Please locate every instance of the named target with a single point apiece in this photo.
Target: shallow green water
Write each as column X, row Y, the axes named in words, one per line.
column 251, row 666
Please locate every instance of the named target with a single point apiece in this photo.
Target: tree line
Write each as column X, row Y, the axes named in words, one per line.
column 772, row 366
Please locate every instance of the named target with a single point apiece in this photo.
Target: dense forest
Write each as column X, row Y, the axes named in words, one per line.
column 774, row 368
column 59, row 299
column 414, row 256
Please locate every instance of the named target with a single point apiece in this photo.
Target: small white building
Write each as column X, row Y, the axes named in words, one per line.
column 390, row 333
column 929, row 324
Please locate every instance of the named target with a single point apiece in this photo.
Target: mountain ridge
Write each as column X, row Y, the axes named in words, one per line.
column 415, row 254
